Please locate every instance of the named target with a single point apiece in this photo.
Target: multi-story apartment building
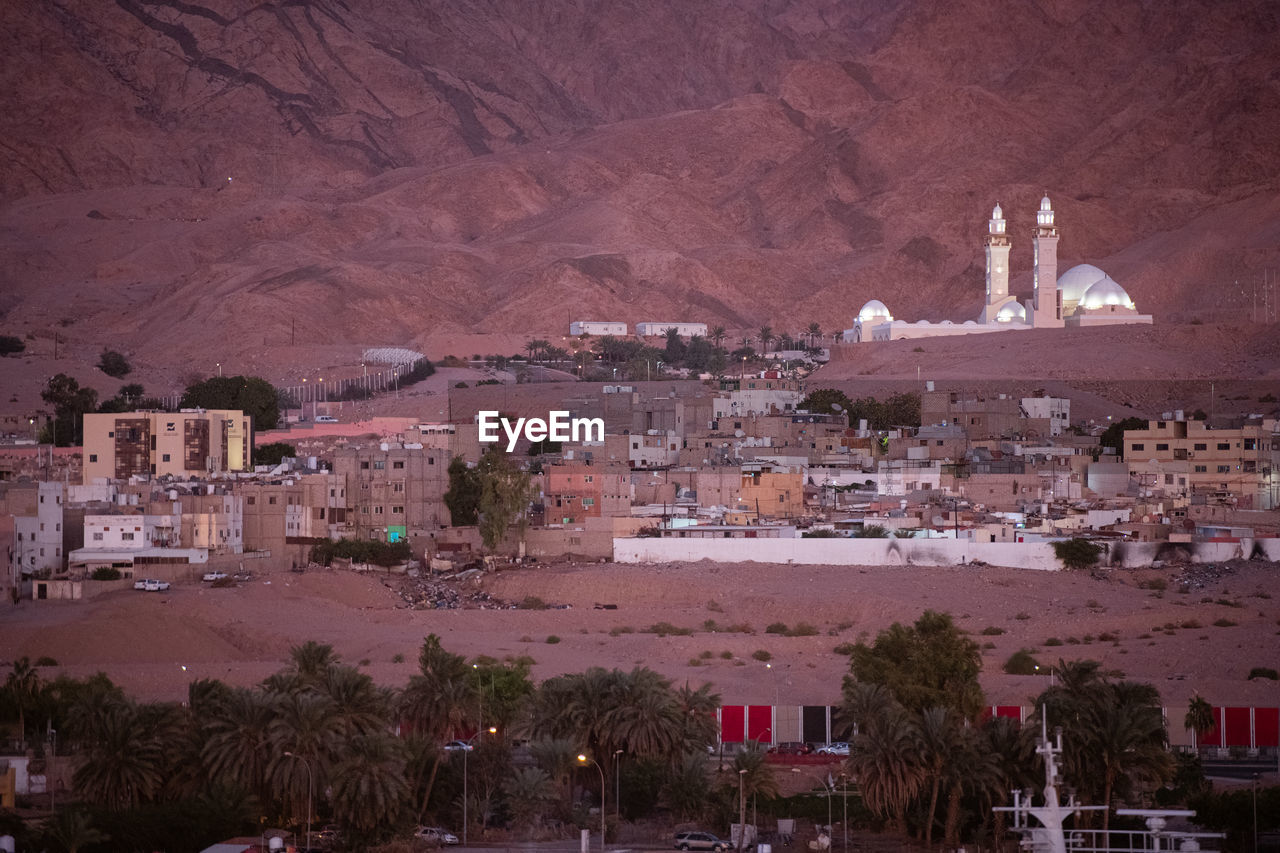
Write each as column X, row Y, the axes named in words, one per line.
column 190, row 443
column 577, row 491
column 1242, row 462
column 37, row 510
column 394, row 491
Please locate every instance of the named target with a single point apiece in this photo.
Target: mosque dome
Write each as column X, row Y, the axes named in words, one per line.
column 1074, row 282
column 1012, row 312
column 1104, row 292
column 874, row 311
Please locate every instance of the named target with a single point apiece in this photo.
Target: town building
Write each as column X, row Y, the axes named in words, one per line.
column 597, row 327
column 684, row 330
column 576, row 491
column 1242, row 463
column 394, row 491
column 37, row 509
column 188, row 444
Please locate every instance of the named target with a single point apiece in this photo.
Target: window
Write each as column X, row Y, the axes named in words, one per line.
column 588, row 501
column 1139, row 446
column 251, row 500
column 398, row 487
column 1201, row 469
column 1161, row 425
column 364, row 466
column 1250, row 444
column 397, row 510
column 164, row 457
column 93, row 457
column 1168, row 479
column 97, row 537
column 1162, row 446
column 377, row 510
column 127, row 537
column 379, row 465
column 1224, row 469
column 1200, row 445
column 397, row 465
column 1224, row 445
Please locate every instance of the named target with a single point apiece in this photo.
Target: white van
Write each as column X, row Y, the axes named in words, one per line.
column 326, row 419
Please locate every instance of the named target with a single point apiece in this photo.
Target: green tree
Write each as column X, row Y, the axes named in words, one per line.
column 463, row 497
column 273, row 453
column 504, row 497
column 931, row 663
column 1077, row 553
column 824, row 400
column 1113, row 435
column 717, row 335
column 685, row 789
column 114, row 364
column 766, row 337
column 249, row 394
column 126, row 762
column 886, row 759
column 237, row 742
column 21, row 688
column 70, row 404
column 71, row 829
column 814, row 333
column 440, row 700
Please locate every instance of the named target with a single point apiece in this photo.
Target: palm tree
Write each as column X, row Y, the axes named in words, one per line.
column 766, row 335
column 21, row 686
column 685, row 791
column 886, row 762
column 557, row 757
column 312, row 660
column 126, row 764
column 438, row 702
column 359, row 705
column 815, row 333
column 1199, row 717
column 305, row 725
column 369, row 788
column 1010, row 751
column 758, row 780
column 71, row 829
column 718, row 334
column 528, row 790
column 939, row 734
column 237, row 742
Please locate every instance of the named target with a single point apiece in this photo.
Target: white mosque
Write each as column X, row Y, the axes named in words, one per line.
column 1083, row 296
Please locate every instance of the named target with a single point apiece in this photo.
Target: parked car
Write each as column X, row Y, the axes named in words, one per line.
column 791, row 747
column 210, row 577
column 436, row 834
column 458, row 746
column 151, row 585
column 700, row 841
column 326, row 419
column 141, row 583
column 838, row 748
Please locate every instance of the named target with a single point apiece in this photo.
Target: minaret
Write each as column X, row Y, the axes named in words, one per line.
column 1046, row 306
column 997, row 244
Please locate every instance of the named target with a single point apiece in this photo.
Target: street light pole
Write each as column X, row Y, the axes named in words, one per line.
column 306, row 764
column 617, row 786
column 583, row 760
column 493, row 731
column 742, row 809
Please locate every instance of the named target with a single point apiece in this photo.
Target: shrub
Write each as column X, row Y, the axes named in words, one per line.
column 991, row 631
column 1260, row 672
column 1225, row 623
column 105, row 573
column 824, row 533
column 1077, row 553
column 114, row 364
column 845, row 649
column 707, row 654
column 726, row 655
column 45, row 660
column 273, row 453
column 1157, row 584
column 531, row 602
column 762, row 655
column 397, row 658
column 776, row 628
column 1021, row 663
column 739, row 628
column 621, row 629
column 1108, row 637
column 362, row 551
column 1192, row 624
column 459, row 385
column 803, row 629
column 9, row 345
column 552, row 639
column 363, row 662
column 714, row 606
column 1053, row 641
column 1022, row 616
column 662, row 629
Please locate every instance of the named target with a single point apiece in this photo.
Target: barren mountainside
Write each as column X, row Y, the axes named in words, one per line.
column 188, row 177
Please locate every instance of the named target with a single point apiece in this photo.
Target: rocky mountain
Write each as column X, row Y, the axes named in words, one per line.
column 188, row 177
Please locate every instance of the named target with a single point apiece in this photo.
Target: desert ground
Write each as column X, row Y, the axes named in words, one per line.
column 1203, row 632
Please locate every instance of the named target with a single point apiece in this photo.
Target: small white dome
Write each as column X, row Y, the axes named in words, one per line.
column 874, row 310
column 996, row 212
column 1074, row 282
column 1044, row 204
column 1106, row 292
column 1011, row 312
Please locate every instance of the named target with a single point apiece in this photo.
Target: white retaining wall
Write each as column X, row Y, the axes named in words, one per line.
column 922, row 552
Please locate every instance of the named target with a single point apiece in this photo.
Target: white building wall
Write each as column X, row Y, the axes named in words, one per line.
column 39, row 537
column 1057, row 410
column 597, row 327
column 685, row 330
column 131, row 531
